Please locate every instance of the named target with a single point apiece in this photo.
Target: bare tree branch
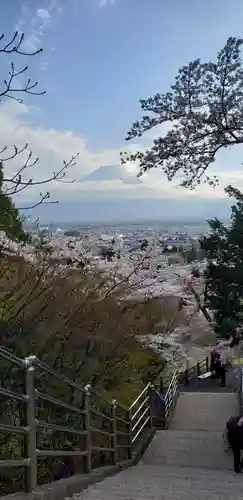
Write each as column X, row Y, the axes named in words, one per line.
column 14, row 47
column 15, row 44
column 19, row 181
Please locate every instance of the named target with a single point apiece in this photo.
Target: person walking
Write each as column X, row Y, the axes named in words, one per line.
column 218, row 368
column 234, row 428
column 214, row 355
column 235, row 337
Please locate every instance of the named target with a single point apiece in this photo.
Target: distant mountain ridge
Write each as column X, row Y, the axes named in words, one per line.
column 109, row 210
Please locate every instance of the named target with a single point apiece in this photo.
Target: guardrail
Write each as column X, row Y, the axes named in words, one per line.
column 184, row 376
column 170, row 396
column 194, row 371
column 139, row 416
column 164, row 401
column 80, row 427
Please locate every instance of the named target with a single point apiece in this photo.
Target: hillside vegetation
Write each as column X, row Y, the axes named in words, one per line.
column 81, row 326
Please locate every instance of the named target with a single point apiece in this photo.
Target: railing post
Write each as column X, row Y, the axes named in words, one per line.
column 87, row 428
column 240, row 389
column 177, row 385
column 198, row 369
column 129, row 426
column 151, row 405
column 207, row 364
column 30, row 424
column 163, row 414
column 114, row 433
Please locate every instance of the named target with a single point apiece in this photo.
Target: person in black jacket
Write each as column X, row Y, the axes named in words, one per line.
column 235, row 338
column 234, row 428
column 217, row 367
column 214, row 356
column 220, row 370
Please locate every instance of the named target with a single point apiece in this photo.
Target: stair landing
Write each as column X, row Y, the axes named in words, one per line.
column 192, row 449
column 204, row 411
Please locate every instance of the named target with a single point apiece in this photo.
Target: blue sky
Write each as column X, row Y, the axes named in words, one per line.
column 99, row 58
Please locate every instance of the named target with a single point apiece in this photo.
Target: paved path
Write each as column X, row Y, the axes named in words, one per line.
column 200, row 449
column 186, row 462
column 194, row 438
column 204, row 411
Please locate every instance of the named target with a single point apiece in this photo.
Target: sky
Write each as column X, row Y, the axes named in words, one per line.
column 99, row 58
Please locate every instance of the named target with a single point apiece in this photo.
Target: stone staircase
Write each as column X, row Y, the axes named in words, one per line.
column 185, row 462
column 194, row 438
column 146, row 482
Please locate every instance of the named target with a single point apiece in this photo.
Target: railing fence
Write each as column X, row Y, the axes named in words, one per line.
column 80, row 427
column 171, row 396
column 194, row 371
column 165, row 400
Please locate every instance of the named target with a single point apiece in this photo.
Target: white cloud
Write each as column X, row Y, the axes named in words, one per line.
column 34, row 25
column 53, row 146
column 43, row 13
column 106, row 3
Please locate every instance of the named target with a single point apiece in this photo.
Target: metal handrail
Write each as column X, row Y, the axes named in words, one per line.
column 140, row 417
column 140, row 407
column 122, row 407
column 184, row 374
column 111, row 428
column 171, row 395
column 61, row 428
column 134, row 439
column 140, row 396
column 57, row 402
column 198, row 369
column 4, row 354
column 54, row 373
column 101, row 397
column 100, row 414
column 174, row 375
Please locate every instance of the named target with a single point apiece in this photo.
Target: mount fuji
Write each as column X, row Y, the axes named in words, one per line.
column 111, row 173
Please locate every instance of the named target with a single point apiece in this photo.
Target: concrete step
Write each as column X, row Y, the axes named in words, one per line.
column 204, row 411
column 196, row 449
column 145, row 482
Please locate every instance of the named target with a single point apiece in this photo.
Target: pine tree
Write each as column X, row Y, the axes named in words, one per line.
column 224, row 277
column 203, row 114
